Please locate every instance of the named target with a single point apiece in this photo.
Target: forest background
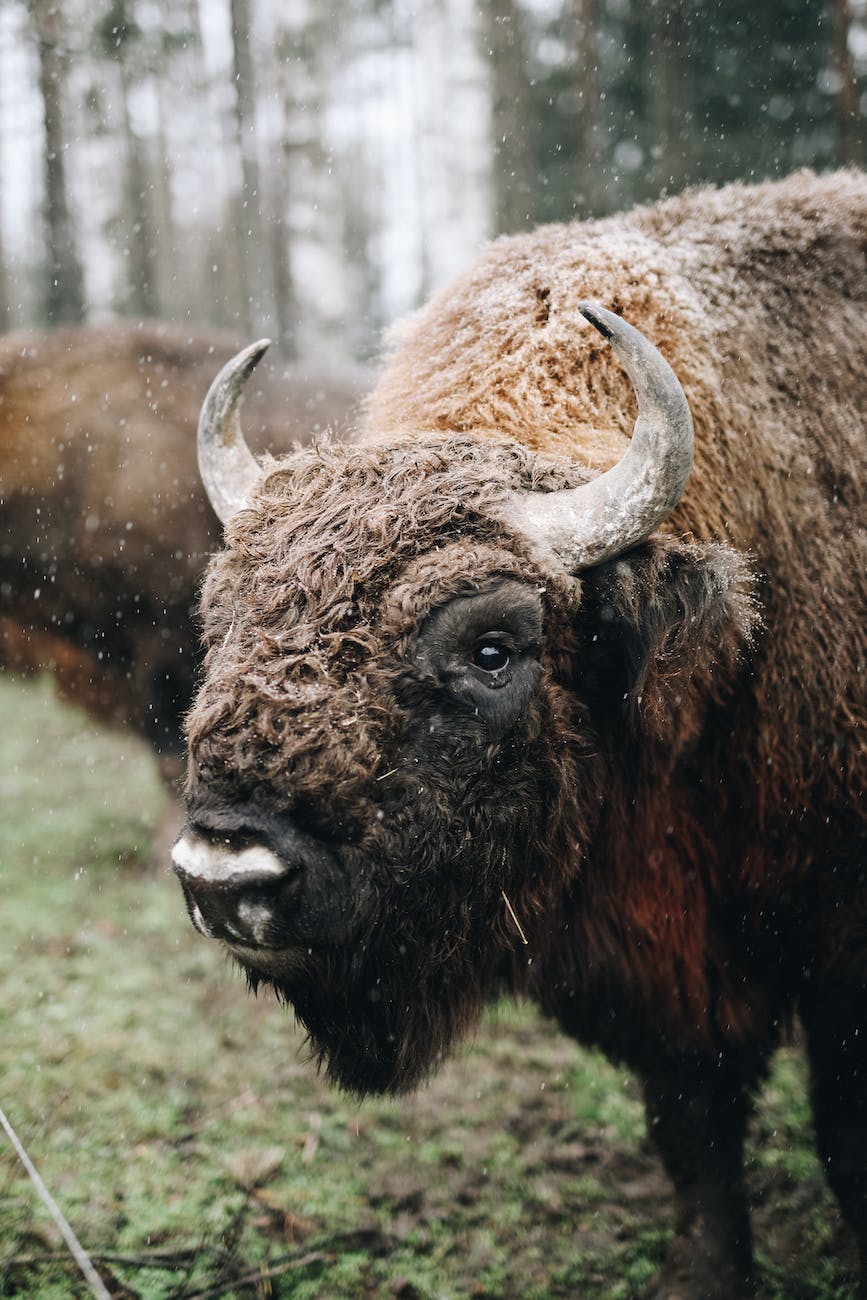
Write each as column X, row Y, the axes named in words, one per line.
column 314, row 168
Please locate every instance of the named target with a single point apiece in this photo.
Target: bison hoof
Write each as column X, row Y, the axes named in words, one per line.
column 689, row 1274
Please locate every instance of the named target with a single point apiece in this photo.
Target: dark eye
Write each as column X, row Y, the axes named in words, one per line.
column 492, row 656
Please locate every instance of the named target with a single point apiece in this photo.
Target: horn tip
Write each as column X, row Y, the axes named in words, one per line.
column 256, row 351
column 599, row 318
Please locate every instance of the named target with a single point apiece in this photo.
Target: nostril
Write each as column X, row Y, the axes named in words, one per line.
column 242, row 912
column 196, row 914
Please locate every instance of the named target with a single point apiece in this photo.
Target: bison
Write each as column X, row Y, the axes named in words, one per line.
column 498, row 700
column 104, row 526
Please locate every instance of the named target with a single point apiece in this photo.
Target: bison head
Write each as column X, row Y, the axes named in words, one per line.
column 398, row 756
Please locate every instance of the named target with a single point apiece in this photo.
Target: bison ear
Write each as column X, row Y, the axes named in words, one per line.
column 664, row 630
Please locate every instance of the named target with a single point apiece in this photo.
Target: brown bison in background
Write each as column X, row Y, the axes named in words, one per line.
column 104, row 524
column 477, row 717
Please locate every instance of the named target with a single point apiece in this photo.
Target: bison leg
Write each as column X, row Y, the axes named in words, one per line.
column 698, row 1124
column 834, row 1013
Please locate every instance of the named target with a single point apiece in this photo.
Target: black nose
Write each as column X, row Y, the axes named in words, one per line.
column 249, row 915
column 235, row 890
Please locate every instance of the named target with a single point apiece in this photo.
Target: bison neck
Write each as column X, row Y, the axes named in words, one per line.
column 654, row 943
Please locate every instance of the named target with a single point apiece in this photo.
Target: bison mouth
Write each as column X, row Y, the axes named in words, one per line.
column 285, row 912
column 270, row 894
column 312, row 923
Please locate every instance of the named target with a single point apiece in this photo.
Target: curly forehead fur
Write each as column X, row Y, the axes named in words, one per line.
column 294, row 605
column 341, row 521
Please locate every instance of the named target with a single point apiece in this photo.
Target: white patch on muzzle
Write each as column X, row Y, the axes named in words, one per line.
column 255, row 919
column 197, row 857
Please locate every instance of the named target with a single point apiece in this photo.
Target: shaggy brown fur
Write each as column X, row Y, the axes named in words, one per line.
column 669, row 790
column 755, row 296
column 104, row 525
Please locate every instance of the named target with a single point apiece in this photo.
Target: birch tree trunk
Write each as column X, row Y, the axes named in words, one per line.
column 63, row 296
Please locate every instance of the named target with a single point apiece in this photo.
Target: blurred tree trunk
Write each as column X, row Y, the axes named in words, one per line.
column 847, row 95
column 64, row 290
column 313, row 44
column 5, row 307
column 140, row 241
column 223, row 292
column 256, row 309
column 118, row 34
column 583, row 19
column 512, row 118
column 165, row 244
column 670, row 99
column 285, row 301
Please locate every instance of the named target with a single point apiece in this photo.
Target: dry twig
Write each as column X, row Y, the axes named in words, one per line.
column 76, row 1249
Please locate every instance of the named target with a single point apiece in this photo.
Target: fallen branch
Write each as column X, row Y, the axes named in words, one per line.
column 168, row 1259
column 338, row 1243
column 262, row 1274
column 175, row 1259
column 76, row 1249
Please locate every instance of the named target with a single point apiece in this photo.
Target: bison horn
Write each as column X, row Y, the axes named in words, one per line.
column 600, row 519
column 227, row 466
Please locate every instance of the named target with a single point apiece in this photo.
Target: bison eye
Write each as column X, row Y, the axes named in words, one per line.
column 480, row 655
column 490, row 655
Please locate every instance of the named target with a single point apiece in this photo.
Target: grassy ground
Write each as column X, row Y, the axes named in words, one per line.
column 195, row 1152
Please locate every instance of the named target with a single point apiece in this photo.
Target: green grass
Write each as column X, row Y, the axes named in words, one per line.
column 178, row 1124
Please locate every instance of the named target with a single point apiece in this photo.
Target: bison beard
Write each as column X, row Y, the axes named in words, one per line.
column 445, row 748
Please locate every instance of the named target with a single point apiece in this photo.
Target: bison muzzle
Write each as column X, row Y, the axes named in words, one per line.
column 479, row 718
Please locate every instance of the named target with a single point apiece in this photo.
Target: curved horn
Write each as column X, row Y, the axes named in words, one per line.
column 227, row 466
column 596, row 521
